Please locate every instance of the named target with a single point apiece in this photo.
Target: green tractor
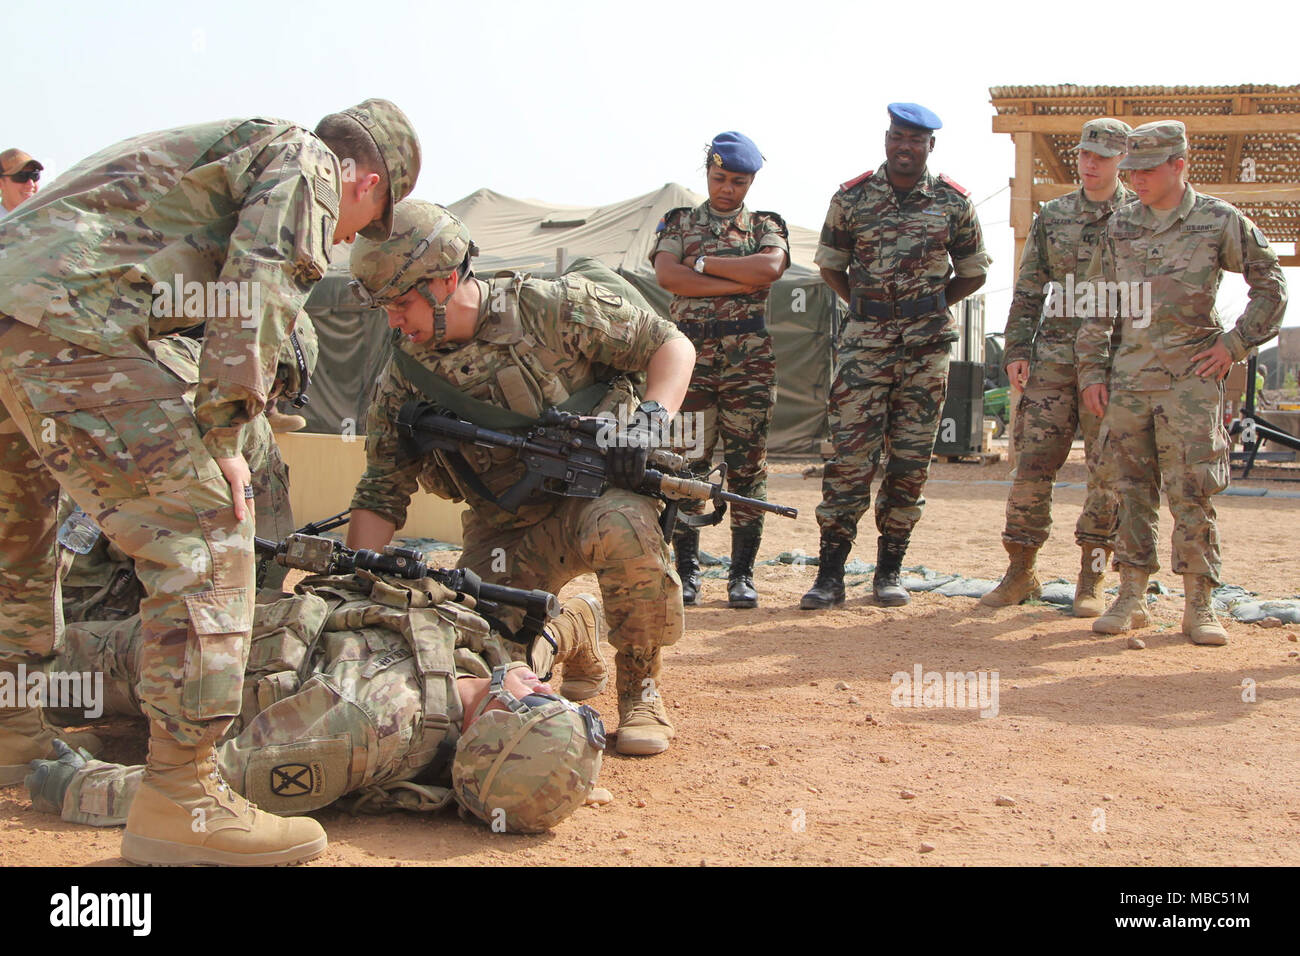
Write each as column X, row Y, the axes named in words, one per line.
column 997, row 409
column 997, row 389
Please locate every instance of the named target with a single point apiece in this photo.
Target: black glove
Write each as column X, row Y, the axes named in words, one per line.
column 49, row 779
column 627, row 459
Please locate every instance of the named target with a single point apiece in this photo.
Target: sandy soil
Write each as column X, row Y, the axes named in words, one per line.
column 790, row 751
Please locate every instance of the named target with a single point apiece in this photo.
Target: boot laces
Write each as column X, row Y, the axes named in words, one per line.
column 222, row 787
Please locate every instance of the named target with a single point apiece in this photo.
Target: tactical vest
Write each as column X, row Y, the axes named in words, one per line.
column 522, row 376
column 374, row 624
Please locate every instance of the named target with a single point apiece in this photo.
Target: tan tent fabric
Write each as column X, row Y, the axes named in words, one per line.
column 525, row 235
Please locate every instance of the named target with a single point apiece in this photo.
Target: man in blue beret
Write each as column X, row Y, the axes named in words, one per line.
column 901, row 246
column 719, row 260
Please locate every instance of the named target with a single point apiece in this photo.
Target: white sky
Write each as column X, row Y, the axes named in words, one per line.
column 585, row 103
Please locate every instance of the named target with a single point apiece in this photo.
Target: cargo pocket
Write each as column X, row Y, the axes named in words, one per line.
column 214, row 653
column 121, row 422
column 1205, row 466
column 299, row 777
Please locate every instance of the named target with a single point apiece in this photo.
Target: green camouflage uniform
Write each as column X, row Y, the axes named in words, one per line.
column 350, row 689
column 86, row 406
column 1061, row 244
column 1164, row 424
column 536, row 343
column 892, row 372
column 734, row 380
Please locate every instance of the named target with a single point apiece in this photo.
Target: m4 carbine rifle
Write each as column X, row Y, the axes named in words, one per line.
column 320, row 555
column 567, row 454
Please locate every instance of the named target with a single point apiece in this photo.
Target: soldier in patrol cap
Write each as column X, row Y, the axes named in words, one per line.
column 1041, row 365
column 19, row 179
column 499, row 353
column 370, row 692
column 719, row 260
column 1163, row 406
column 901, row 246
column 228, row 223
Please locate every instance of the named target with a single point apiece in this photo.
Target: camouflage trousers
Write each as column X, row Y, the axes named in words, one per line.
column 617, row 537
column 335, row 702
column 117, row 436
column 1047, row 415
column 883, row 400
column 733, row 388
column 1175, row 438
column 101, row 585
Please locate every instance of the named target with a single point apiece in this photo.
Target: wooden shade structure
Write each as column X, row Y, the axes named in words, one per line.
column 1243, row 145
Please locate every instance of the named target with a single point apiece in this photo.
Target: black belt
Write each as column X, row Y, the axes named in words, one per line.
column 714, row 328
column 864, row 308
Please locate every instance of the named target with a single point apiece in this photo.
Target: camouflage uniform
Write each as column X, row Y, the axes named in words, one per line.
column 99, row 415
column 350, row 690
column 893, row 371
column 1061, row 243
column 734, row 380
column 537, row 342
column 101, row 584
column 1164, row 425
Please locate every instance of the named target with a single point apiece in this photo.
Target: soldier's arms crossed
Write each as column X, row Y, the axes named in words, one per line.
column 758, row 270
column 675, row 277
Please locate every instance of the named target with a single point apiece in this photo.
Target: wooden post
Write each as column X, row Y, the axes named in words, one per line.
column 1022, row 217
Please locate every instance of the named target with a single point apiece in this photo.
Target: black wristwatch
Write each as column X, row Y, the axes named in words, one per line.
column 654, row 412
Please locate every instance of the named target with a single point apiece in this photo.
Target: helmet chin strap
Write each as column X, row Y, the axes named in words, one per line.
column 439, row 310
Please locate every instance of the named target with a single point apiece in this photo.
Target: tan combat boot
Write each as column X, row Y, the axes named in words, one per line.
column 25, row 734
column 1130, row 608
column 280, row 422
column 579, row 632
column 185, row 813
column 1199, row 622
column 1088, row 590
column 1020, row 582
column 643, row 724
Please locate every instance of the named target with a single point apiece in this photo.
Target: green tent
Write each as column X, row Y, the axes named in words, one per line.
column 540, row 238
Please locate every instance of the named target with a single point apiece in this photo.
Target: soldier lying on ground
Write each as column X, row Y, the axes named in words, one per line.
column 385, row 691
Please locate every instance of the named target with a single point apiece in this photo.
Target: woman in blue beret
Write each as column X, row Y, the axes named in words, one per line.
column 719, row 260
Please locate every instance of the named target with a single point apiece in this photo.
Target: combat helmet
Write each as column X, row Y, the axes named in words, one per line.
column 526, row 768
column 428, row 242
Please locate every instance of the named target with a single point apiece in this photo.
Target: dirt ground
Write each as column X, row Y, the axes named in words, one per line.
column 790, row 751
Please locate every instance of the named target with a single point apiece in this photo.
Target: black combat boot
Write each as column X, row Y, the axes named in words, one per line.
column 828, row 590
column 740, row 582
column 889, row 561
column 686, row 544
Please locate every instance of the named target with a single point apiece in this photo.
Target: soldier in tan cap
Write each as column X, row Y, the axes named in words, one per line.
column 1040, row 363
column 228, row 224
column 19, row 176
column 1163, row 420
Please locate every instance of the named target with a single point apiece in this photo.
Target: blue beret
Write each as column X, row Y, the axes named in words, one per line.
column 735, row 152
column 913, row 114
